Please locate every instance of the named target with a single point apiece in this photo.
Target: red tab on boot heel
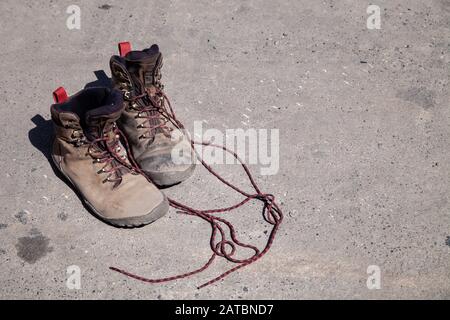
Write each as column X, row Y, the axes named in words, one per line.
column 124, row 48
column 60, row 95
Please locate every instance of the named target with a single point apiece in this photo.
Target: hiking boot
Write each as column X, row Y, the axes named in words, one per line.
column 156, row 140
column 88, row 152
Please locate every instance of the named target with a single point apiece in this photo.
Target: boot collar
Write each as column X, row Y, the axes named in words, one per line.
column 90, row 110
column 144, row 68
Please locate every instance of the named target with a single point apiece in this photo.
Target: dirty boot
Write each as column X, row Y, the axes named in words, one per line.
column 156, row 141
column 87, row 151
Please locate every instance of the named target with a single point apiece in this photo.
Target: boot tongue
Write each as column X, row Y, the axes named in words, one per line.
column 142, row 66
column 102, row 119
column 96, row 126
column 100, row 122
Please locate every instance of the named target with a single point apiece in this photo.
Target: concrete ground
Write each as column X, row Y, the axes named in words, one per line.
column 364, row 124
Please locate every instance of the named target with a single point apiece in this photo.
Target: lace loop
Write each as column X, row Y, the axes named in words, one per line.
column 225, row 248
column 107, row 152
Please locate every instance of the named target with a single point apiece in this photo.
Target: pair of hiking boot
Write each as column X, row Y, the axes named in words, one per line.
column 117, row 145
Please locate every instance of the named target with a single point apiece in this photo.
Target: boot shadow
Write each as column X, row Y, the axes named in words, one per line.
column 41, row 135
column 102, row 80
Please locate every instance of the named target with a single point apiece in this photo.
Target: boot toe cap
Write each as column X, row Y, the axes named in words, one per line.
column 137, row 202
column 164, row 171
column 154, row 214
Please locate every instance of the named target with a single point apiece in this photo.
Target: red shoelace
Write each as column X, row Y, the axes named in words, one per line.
column 224, row 247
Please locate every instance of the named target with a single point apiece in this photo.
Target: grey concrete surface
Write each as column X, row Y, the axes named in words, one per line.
column 364, row 146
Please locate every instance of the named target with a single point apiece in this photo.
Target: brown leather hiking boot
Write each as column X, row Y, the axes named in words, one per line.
column 88, row 152
column 157, row 143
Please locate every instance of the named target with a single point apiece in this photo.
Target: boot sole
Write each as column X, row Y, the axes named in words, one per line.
column 131, row 222
column 168, row 179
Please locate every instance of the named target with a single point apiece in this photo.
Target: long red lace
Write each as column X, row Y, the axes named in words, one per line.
column 225, row 247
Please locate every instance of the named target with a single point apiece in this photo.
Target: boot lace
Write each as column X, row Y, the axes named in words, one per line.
column 221, row 247
column 106, row 150
column 151, row 107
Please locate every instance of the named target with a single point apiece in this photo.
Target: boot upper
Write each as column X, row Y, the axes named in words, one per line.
column 153, row 135
column 88, row 151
